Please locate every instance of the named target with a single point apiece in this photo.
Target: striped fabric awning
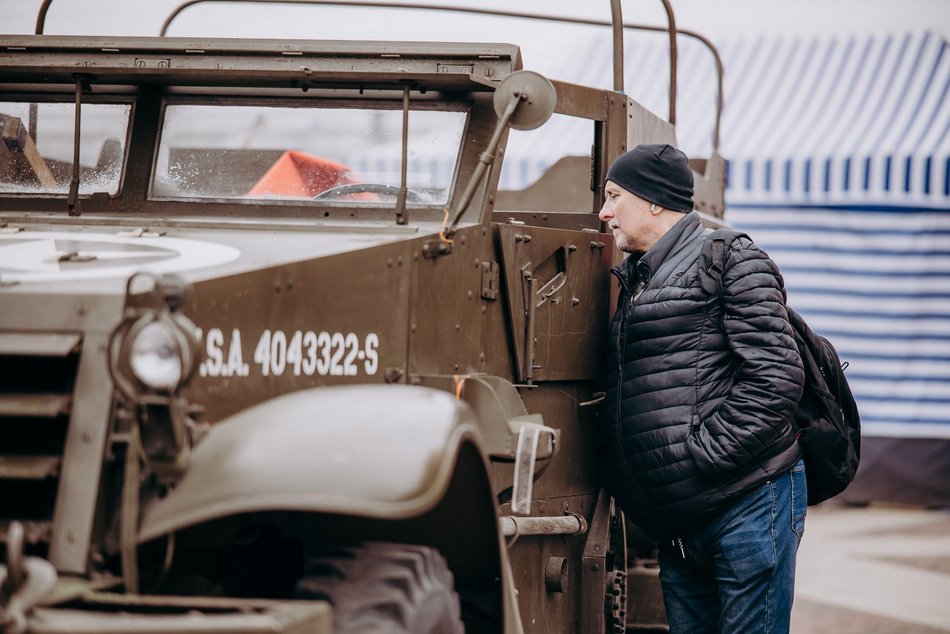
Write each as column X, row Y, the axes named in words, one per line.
column 847, row 121
column 840, row 169
column 877, row 284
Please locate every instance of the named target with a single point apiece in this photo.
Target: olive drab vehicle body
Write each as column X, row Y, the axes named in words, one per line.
column 277, row 353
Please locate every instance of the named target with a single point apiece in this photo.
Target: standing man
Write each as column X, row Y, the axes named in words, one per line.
column 699, row 445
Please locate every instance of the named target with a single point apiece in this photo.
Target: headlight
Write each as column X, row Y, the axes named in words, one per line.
column 156, row 356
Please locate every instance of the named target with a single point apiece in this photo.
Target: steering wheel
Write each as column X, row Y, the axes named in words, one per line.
column 342, row 191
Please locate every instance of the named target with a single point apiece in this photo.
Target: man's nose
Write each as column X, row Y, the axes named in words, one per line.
column 606, row 212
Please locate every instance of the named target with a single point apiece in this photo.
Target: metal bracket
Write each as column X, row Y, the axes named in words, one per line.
column 526, row 455
column 596, row 399
column 489, row 280
column 432, row 249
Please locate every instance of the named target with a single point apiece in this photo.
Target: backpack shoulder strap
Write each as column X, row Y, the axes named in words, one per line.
column 713, row 257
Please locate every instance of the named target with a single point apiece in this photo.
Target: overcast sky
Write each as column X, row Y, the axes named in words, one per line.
column 717, row 18
column 546, row 47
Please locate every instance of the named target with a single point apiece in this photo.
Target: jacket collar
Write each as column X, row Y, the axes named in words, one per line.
column 678, row 236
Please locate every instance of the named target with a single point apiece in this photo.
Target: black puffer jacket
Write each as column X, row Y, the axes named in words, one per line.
column 700, row 387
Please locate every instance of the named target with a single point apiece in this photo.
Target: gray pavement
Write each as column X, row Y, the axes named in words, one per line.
column 873, row 570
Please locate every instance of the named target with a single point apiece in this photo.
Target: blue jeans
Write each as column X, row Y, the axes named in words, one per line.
column 736, row 574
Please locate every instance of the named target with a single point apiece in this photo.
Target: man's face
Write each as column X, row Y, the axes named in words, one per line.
column 629, row 217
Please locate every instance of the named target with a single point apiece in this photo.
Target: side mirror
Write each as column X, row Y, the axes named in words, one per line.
column 534, row 97
column 524, row 100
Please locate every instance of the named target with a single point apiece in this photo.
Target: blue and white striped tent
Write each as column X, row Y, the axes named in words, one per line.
column 847, row 184
column 839, row 150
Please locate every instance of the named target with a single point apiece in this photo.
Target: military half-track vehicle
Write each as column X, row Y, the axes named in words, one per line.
column 277, row 354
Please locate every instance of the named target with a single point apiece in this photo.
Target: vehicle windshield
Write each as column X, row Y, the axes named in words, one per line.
column 40, row 160
column 328, row 153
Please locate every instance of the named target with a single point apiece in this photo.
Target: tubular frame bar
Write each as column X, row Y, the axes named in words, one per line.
column 618, row 72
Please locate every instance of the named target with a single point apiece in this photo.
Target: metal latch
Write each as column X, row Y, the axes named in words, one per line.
column 75, row 256
column 141, row 232
column 533, row 439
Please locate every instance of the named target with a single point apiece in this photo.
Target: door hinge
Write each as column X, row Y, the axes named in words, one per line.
column 489, row 280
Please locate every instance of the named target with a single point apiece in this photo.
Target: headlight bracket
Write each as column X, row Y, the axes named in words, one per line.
column 166, row 429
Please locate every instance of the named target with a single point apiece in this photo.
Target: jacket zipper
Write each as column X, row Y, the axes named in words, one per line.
column 638, row 288
column 621, row 341
column 628, row 306
column 679, row 542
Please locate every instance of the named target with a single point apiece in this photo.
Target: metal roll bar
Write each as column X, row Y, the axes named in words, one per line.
column 41, row 16
column 618, row 26
column 616, row 23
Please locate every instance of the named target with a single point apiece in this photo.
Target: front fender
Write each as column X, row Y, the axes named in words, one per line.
column 377, row 451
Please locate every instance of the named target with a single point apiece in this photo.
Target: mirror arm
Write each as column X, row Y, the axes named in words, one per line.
column 484, row 160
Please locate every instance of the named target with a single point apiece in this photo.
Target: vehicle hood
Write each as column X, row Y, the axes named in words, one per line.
column 99, row 255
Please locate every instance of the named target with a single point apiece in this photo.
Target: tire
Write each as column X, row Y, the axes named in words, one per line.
column 379, row 588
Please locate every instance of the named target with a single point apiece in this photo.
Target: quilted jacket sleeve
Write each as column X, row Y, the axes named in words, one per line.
column 769, row 377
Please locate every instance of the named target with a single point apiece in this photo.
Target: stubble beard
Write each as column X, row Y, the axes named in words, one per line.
column 623, row 243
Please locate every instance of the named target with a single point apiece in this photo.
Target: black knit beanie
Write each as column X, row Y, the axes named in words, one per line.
column 656, row 173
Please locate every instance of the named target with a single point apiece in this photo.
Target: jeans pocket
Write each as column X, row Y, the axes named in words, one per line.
column 799, row 499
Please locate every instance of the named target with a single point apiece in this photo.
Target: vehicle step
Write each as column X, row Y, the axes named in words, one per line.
column 34, row 405
column 29, row 467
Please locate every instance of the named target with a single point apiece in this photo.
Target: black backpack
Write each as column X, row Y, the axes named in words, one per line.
column 829, row 428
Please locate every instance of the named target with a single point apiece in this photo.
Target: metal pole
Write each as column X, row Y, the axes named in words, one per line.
column 672, row 32
column 560, row 525
column 402, row 215
column 616, row 20
column 40, row 25
column 72, row 200
column 41, row 16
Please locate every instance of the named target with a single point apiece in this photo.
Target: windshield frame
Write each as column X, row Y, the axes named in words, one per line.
column 339, row 99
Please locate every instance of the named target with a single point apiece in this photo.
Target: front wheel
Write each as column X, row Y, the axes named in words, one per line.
column 379, row 588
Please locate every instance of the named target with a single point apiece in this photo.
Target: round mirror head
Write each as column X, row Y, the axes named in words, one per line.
column 537, row 104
